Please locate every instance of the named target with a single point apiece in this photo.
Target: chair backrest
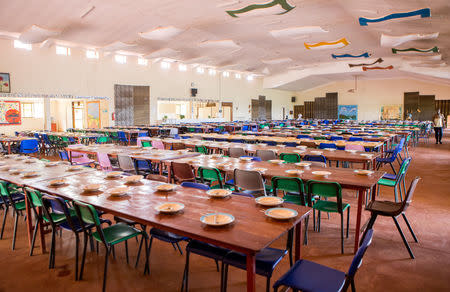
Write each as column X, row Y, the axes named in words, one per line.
column 29, row 146
column 327, row 146
column 303, row 137
column 336, row 138
column 102, row 139
column 188, row 184
column 355, row 147
column 182, row 172
column 211, row 175
column 63, row 155
column 103, row 160
column 58, row 205
column 403, row 168
column 266, row 155
column 201, row 149
column 317, row 164
column 270, row 143
column 355, row 139
column 309, row 144
column 146, row 144
column 125, row 163
column 318, row 158
column 158, row 144
column 236, row 152
column 357, row 259
column 178, row 146
column 248, row 180
column 290, row 144
column 88, row 215
column 408, row 198
column 325, row 189
column 290, row 185
column 34, row 197
column 290, row 157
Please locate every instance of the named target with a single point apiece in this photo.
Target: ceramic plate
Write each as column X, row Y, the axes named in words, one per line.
column 217, row 219
column 303, row 164
column 219, row 193
column 169, row 207
column 134, row 178
column 276, row 161
column 245, row 159
column 92, row 187
column 30, row 174
column 57, row 182
column 74, row 167
column 259, row 169
column 166, row 187
column 363, row 172
column 119, row 191
column 316, row 152
column 16, row 171
column 294, row 171
column 113, row 174
column 321, row 173
column 269, row 201
column 281, row 213
column 50, row 164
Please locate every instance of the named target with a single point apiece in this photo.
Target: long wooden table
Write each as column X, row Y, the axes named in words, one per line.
column 347, row 178
column 250, row 233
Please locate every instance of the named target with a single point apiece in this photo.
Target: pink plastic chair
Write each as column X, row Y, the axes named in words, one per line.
column 158, row 144
column 103, row 161
column 355, row 147
column 78, row 157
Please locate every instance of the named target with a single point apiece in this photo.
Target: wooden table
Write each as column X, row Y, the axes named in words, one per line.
column 44, row 173
column 347, row 178
column 250, row 233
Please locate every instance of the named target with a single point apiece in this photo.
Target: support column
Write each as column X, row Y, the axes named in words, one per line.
column 47, row 114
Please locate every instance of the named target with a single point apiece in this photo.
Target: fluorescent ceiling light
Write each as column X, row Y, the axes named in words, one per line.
column 121, row 59
column 91, row 54
column 142, row 62
column 19, row 45
column 64, row 51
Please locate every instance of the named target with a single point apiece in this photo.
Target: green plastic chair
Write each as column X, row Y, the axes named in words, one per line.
column 212, row 176
column 146, row 144
column 396, row 183
column 102, row 139
column 329, row 190
column 109, row 236
column 201, row 149
column 7, row 197
column 290, row 157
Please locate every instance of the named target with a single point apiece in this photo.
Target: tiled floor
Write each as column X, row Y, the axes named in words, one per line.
column 386, row 267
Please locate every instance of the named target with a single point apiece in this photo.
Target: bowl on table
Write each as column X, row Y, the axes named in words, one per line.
column 165, row 187
column 113, row 174
column 74, row 167
column 57, row 182
column 92, row 187
column 269, row 201
column 132, row 179
column 245, row 159
column 169, row 207
column 315, row 152
column 51, row 164
column 276, row 161
column 294, row 171
column 303, row 164
column 321, row 173
column 218, row 193
column 217, row 219
column 363, row 172
column 30, row 174
column 281, row 213
column 16, row 171
column 118, row 191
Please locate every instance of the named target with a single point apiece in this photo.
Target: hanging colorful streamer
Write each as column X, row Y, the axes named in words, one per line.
column 431, row 50
column 378, row 68
column 328, row 45
column 283, row 3
column 425, row 12
column 379, row 60
column 365, row 55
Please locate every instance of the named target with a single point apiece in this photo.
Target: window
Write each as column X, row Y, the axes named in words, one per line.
column 38, row 109
column 121, row 59
column 182, row 67
column 226, row 74
column 27, row 110
column 250, row 77
column 20, row 45
column 237, row 75
column 62, row 51
column 165, row 65
column 142, row 62
column 91, row 54
column 200, row 70
column 212, row 72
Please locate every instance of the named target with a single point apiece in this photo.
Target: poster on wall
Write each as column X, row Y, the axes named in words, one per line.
column 93, row 114
column 5, row 84
column 391, row 112
column 348, row 112
column 10, row 113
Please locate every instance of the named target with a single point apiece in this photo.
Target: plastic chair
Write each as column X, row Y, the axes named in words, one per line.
column 236, row 152
column 201, row 149
column 108, row 236
column 12, row 199
column 290, row 144
column 182, row 172
column 122, row 137
column 102, row 140
column 309, row 144
column 350, row 139
column 212, row 176
column 395, row 182
column 158, row 144
column 266, row 155
column 327, row 146
column 29, row 146
column 318, row 158
column 188, row 184
column 388, row 160
column 329, row 190
column 125, row 163
column 251, row 182
column 391, row 209
column 270, row 143
column 309, row 276
column 104, row 162
column 290, row 157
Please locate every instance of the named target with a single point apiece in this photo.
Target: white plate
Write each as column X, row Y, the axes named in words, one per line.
column 269, row 201
column 276, row 161
column 245, row 159
column 30, row 174
column 363, row 172
column 92, row 187
column 351, row 151
column 259, row 169
column 74, row 167
column 134, row 178
column 217, row 219
column 321, row 173
column 165, row 187
column 113, row 174
column 316, row 152
column 294, row 171
column 57, row 182
column 218, row 193
column 50, row 164
column 16, row 171
column 281, row 213
column 303, row 164
column 169, row 207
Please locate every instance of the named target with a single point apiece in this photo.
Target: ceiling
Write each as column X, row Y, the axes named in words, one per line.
column 261, row 41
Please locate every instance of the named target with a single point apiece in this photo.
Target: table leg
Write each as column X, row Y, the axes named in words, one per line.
column 169, row 174
column 29, row 221
column 358, row 218
column 251, row 272
column 298, row 241
column 9, row 147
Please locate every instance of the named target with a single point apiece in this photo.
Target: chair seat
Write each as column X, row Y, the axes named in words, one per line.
column 386, row 159
column 117, row 233
column 386, row 208
column 207, row 250
column 312, row 277
column 329, row 206
column 15, row 196
column 20, row 205
column 386, row 182
column 390, row 176
column 266, row 260
column 166, row 236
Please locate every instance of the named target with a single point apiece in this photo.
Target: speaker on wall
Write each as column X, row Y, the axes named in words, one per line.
column 293, row 99
column 193, row 92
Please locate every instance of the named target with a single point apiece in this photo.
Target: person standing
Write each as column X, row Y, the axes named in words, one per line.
column 438, row 123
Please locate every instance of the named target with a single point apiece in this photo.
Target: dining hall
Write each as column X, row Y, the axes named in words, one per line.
column 224, row 145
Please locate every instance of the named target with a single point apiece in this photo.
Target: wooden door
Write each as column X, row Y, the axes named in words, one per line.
column 426, row 107
column 411, row 104
column 227, row 110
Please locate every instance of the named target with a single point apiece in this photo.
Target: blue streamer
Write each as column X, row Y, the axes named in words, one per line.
column 365, row 55
column 425, row 12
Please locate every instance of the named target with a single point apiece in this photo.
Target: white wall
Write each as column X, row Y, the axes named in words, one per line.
column 42, row 71
column 372, row 94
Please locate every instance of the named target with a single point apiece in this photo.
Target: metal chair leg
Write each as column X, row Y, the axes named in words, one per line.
column 409, row 227
column 372, row 219
column 4, row 221
column 403, row 237
column 52, row 248
column 84, row 256
column 348, row 219
column 149, row 250
column 268, row 284
column 126, row 251
column 15, row 231
column 342, row 233
column 34, row 237
column 105, row 272
column 77, row 243
column 179, row 248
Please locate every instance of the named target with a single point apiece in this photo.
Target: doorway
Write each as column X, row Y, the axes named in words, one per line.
column 227, row 111
column 78, row 114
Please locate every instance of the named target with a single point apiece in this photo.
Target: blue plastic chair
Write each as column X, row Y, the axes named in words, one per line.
column 327, row 146
column 270, row 143
column 122, row 137
column 290, row 144
column 336, row 138
column 318, row 158
column 245, row 128
column 312, row 277
column 355, row 139
column 388, row 160
column 303, row 137
column 29, row 146
column 188, row 184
